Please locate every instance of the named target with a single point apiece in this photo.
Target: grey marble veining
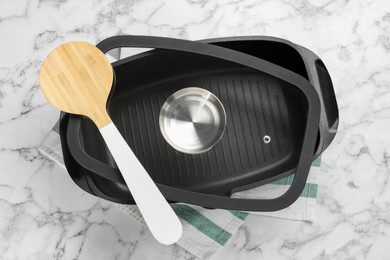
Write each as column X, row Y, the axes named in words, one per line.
column 43, row 215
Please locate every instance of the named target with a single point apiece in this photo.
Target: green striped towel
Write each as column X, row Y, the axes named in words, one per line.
column 206, row 231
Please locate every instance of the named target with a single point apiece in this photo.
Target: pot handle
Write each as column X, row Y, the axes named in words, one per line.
column 311, row 128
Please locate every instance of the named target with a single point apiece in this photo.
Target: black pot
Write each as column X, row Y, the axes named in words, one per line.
column 268, row 86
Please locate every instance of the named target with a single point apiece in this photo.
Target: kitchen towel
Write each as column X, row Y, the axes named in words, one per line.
column 206, row 231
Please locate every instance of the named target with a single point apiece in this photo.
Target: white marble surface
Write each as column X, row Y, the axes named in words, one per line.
column 43, row 215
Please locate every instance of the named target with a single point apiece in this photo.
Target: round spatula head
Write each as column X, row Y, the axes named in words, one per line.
column 76, row 77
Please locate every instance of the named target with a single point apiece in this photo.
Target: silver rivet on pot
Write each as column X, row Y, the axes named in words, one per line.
column 266, row 139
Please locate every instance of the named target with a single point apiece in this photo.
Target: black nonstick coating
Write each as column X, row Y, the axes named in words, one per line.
column 257, row 106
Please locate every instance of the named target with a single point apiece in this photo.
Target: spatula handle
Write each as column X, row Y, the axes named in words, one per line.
column 159, row 216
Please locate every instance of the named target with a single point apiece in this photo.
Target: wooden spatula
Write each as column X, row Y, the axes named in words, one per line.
column 77, row 78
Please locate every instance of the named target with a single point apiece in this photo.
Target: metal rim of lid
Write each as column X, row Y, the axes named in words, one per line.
column 192, row 120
